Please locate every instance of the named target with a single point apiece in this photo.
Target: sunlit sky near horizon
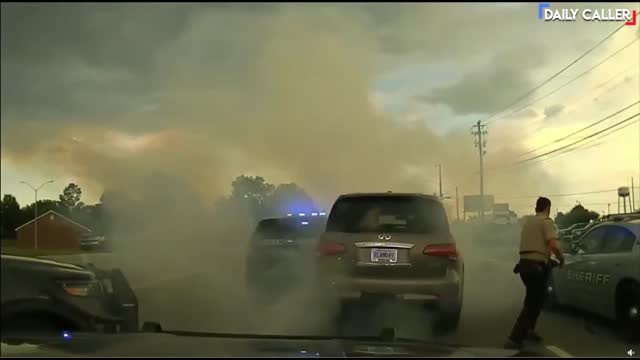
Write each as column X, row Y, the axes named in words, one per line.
column 445, row 81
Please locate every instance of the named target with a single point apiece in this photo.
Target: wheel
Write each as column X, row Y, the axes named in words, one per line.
column 628, row 311
column 551, row 301
column 447, row 320
column 339, row 318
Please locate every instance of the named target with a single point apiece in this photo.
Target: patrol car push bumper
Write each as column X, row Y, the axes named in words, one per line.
column 120, row 310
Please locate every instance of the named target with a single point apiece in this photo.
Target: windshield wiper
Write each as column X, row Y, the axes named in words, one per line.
column 387, row 335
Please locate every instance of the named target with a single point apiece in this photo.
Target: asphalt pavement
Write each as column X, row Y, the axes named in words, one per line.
column 492, row 300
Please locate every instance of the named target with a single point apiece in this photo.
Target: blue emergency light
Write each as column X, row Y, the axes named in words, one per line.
column 312, row 214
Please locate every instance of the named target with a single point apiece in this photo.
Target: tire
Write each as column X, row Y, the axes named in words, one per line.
column 551, row 301
column 628, row 300
column 447, row 320
column 340, row 317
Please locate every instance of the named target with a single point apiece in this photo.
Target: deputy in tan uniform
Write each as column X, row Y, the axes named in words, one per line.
column 538, row 240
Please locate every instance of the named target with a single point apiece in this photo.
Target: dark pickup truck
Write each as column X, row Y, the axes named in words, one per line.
column 44, row 296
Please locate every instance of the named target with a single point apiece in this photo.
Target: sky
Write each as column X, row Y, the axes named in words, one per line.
column 337, row 98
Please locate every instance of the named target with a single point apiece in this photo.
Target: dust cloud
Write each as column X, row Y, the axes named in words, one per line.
column 285, row 95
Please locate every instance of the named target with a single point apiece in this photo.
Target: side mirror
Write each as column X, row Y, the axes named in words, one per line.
column 576, row 249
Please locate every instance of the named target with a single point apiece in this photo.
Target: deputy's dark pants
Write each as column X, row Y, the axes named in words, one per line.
column 534, row 276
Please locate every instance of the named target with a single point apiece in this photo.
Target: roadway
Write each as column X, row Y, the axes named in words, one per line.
column 217, row 301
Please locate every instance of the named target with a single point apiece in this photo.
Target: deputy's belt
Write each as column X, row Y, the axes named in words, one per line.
column 533, row 252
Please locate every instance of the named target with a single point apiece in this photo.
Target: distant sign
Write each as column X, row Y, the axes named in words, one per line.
column 501, row 208
column 473, row 203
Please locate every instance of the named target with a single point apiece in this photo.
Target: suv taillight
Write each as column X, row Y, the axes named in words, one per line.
column 442, row 250
column 330, row 248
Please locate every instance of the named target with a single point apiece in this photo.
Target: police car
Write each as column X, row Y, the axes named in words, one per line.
column 279, row 250
column 602, row 275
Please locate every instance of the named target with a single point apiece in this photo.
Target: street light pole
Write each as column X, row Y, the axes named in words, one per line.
column 440, row 179
column 35, row 218
column 457, row 209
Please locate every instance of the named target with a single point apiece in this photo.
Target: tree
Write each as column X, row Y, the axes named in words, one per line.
column 70, row 196
column 579, row 214
column 253, row 192
column 29, row 211
column 10, row 214
column 262, row 199
column 251, row 187
column 290, row 198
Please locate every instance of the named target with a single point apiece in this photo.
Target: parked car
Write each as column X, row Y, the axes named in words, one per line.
column 91, row 241
column 567, row 231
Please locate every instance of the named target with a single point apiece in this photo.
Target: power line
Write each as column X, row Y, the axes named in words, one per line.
column 557, row 195
column 581, row 140
column 581, row 130
column 520, row 162
column 557, row 73
column 571, row 80
column 602, row 84
column 583, row 146
column 579, row 147
column 595, row 93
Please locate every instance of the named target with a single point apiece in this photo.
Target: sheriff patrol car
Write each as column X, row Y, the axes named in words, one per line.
column 602, row 275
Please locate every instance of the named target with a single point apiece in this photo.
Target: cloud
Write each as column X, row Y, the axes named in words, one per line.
column 276, row 89
column 553, row 110
column 485, row 90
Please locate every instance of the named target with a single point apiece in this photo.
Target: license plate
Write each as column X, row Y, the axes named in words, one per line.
column 384, row 255
column 272, row 242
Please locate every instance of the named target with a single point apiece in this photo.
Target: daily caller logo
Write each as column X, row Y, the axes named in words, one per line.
column 546, row 13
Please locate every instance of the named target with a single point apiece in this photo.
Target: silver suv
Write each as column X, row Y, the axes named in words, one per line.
column 382, row 245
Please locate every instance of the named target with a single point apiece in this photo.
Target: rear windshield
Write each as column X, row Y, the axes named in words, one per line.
column 289, row 228
column 401, row 214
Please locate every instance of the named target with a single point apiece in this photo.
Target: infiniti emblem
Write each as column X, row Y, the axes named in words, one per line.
column 384, row 237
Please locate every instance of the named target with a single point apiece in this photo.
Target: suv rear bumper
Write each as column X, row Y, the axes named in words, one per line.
column 444, row 290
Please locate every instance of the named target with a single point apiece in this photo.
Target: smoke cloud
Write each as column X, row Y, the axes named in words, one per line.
column 283, row 92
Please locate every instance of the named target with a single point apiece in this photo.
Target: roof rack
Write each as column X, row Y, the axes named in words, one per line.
column 621, row 217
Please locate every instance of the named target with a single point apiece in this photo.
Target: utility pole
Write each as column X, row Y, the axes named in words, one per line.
column 481, row 145
column 457, row 206
column 35, row 222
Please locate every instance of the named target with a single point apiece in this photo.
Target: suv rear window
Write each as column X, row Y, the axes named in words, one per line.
column 289, row 228
column 401, row 214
